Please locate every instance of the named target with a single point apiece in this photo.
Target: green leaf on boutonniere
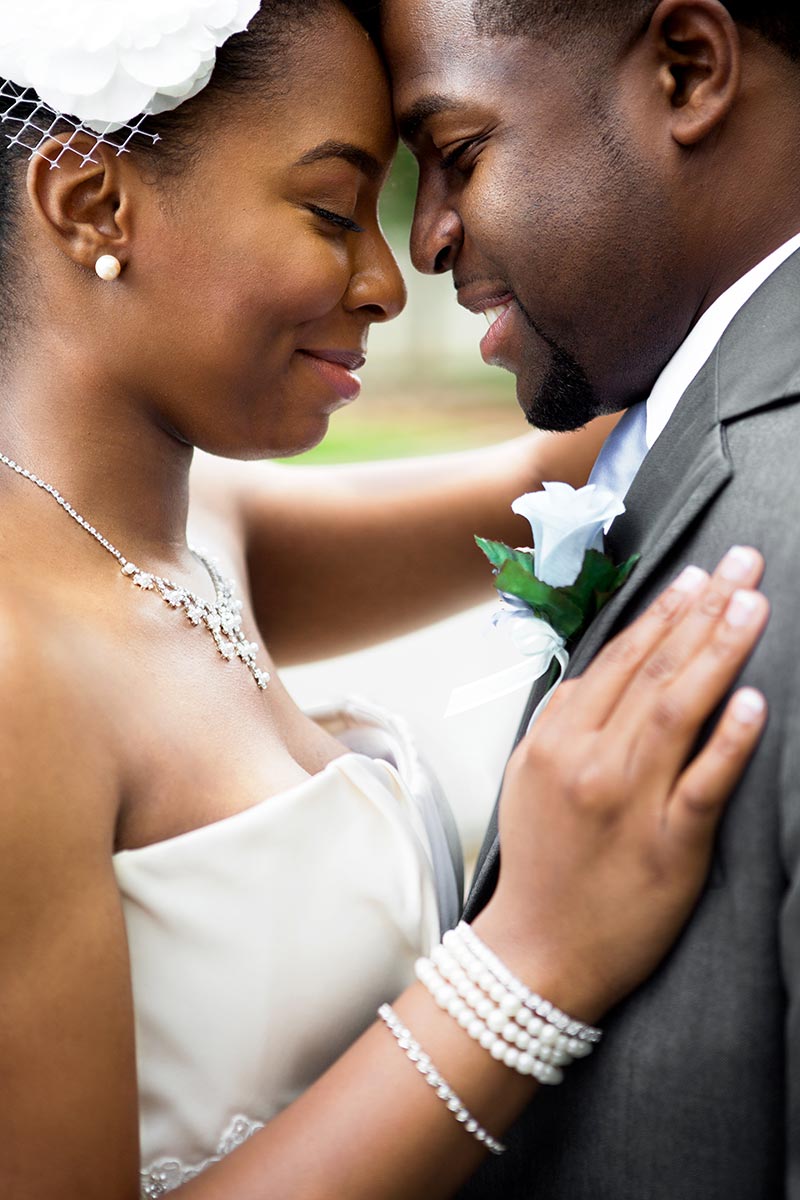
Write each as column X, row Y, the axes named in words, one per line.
column 498, row 554
column 599, row 579
column 570, row 610
column 553, row 605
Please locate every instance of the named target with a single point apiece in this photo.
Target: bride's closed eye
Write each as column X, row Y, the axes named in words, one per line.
column 346, row 223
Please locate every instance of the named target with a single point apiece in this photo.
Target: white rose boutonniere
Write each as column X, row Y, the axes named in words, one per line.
column 565, row 523
column 550, row 594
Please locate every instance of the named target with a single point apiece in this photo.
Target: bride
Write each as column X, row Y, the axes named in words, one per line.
column 205, row 895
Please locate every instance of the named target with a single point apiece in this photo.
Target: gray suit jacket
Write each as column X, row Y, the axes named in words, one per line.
column 695, row 1093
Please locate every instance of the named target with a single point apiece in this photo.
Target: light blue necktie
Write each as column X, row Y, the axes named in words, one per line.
column 623, row 453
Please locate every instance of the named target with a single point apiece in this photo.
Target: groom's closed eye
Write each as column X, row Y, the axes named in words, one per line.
column 463, row 155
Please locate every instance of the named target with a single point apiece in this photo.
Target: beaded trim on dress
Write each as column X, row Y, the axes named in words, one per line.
column 167, row 1173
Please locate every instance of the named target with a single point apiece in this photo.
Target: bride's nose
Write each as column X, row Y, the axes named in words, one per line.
column 377, row 284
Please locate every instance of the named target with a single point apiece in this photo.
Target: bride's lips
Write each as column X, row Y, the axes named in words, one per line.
column 337, row 368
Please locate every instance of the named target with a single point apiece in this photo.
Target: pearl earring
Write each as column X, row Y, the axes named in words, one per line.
column 108, row 268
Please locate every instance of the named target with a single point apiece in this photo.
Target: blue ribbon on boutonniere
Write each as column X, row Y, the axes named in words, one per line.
column 552, row 593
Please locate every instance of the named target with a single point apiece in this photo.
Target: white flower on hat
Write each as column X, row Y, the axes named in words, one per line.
column 107, row 61
column 565, row 523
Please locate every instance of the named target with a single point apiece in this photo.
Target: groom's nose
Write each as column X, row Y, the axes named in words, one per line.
column 436, row 234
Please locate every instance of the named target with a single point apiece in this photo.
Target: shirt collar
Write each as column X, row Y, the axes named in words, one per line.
column 698, row 347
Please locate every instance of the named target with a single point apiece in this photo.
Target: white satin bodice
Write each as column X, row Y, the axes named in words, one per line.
column 262, row 945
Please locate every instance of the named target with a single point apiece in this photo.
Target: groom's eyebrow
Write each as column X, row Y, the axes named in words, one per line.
column 359, row 158
column 411, row 123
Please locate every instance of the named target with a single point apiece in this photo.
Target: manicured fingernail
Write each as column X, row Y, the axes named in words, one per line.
column 691, row 580
column 738, row 564
column 748, row 706
column 743, row 608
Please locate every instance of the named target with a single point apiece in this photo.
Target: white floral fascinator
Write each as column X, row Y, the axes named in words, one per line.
column 104, row 65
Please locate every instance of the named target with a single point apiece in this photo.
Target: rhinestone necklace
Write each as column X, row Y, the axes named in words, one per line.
column 222, row 618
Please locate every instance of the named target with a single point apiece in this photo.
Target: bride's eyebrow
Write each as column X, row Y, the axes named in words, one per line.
column 359, row 158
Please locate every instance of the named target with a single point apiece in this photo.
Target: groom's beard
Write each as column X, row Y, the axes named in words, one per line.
column 565, row 399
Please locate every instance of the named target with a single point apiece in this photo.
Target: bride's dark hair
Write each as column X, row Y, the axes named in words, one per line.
column 250, row 63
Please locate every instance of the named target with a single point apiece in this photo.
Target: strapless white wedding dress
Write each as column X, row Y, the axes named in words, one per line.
column 262, row 945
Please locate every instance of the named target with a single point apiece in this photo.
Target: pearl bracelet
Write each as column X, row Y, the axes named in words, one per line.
column 464, row 941
column 550, row 1043
column 495, row 1030
column 516, row 1026
column 432, row 1077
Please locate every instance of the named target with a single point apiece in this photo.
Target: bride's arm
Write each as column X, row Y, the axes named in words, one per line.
column 619, row 828
column 341, row 557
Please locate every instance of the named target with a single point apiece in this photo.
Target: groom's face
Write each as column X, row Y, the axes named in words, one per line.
column 545, row 189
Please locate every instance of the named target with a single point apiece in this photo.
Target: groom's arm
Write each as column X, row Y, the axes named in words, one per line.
column 340, row 557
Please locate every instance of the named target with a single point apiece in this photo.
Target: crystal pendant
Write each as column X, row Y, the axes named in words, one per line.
column 222, row 619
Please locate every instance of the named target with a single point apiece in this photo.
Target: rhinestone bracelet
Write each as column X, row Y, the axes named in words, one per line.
column 465, row 936
column 432, row 1077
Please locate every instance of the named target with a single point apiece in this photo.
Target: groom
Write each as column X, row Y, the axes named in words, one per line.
column 619, row 181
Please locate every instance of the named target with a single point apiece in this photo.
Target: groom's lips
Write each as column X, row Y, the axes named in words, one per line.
column 498, row 307
column 493, row 345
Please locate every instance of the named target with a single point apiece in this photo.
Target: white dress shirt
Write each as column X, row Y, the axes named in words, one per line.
column 695, row 352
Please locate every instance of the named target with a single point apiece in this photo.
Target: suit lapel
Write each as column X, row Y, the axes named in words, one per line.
column 754, row 366
column 487, row 858
column 680, row 477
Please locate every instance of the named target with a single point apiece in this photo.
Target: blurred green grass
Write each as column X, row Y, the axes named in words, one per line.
column 416, row 414
column 412, row 431
column 380, row 442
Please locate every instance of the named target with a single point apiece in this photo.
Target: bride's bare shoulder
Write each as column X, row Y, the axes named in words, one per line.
column 56, row 764
column 67, row 1013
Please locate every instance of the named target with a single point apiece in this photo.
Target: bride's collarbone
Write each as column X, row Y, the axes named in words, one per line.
column 196, row 763
column 197, row 741
column 204, row 743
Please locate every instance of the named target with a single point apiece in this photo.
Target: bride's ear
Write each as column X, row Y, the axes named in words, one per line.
column 85, row 210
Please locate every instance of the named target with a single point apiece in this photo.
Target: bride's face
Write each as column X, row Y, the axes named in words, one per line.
column 253, row 277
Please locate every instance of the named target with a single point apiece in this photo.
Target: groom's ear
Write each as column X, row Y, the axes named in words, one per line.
column 698, row 52
column 84, row 208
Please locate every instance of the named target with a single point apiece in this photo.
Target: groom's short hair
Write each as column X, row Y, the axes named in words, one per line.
column 778, row 21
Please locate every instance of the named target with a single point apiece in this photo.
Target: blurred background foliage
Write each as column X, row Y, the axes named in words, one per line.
column 426, row 388
column 397, row 202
